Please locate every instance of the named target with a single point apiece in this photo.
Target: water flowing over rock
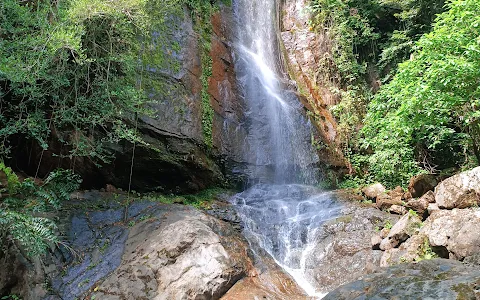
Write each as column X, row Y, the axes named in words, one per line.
column 278, row 144
column 284, row 220
column 343, row 250
column 279, row 217
column 321, row 241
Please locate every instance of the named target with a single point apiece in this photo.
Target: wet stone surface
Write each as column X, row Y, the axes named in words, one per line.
column 429, row 279
column 98, row 241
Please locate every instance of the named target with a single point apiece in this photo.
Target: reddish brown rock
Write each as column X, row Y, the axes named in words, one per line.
column 420, row 205
column 384, row 232
column 429, row 196
column 384, row 201
column 421, row 184
column 397, row 191
column 397, row 209
column 268, row 285
column 407, row 196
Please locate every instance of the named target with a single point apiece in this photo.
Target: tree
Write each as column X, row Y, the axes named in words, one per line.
column 427, row 117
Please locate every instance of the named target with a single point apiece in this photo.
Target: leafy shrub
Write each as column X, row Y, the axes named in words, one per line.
column 368, row 39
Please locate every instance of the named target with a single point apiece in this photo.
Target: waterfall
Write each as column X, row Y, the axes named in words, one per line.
column 280, row 214
column 278, row 143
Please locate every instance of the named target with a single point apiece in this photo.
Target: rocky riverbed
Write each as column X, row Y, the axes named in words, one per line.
column 152, row 250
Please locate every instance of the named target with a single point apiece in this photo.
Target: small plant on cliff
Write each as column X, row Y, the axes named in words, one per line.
column 22, row 201
column 388, row 225
column 426, row 251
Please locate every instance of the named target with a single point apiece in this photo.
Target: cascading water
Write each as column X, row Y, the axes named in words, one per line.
column 279, row 136
column 280, row 215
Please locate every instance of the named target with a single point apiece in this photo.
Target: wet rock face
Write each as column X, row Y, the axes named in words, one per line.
column 305, row 51
column 175, row 157
column 344, row 251
column 228, row 128
column 430, row 279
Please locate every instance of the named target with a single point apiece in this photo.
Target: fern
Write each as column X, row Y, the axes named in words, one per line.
column 34, row 234
column 17, row 222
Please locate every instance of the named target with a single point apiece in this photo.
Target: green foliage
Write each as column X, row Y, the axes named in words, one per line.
column 23, row 200
column 10, row 297
column 388, row 225
column 69, row 72
column 204, row 27
column 74, row 71
column 427, row 116
column 368, row 39
column 349, row 24
column 426, row 251
column 12, row 182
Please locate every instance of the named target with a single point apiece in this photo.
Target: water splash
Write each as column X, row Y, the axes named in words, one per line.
column 285, row 221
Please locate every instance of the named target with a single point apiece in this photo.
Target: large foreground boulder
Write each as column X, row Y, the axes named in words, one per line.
column 454, row 232
column 147, row 250
column 187, row 255
column 459, row 191
column 429, row 279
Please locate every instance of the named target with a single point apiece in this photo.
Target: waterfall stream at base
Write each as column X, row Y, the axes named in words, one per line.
column 281, row 215
column 283, row 220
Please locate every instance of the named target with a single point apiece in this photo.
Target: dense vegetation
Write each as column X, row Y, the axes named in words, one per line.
column 74, row 71
column 424, row 116
column 427, row 117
